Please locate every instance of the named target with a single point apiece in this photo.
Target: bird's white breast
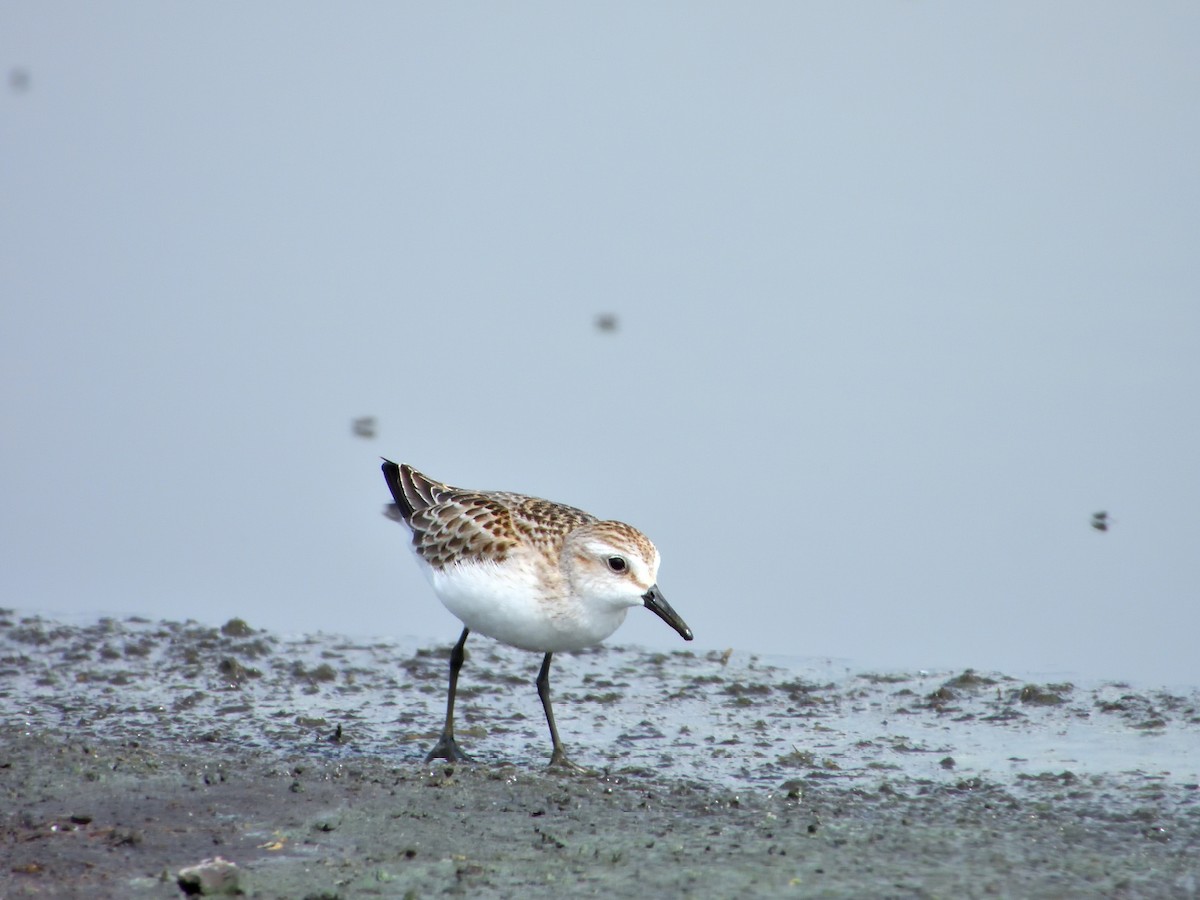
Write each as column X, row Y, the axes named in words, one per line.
column 506, row 601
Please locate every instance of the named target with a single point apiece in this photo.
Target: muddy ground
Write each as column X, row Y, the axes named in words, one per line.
column 132, row 750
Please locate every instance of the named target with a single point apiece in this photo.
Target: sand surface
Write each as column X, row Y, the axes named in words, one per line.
column 132, row 750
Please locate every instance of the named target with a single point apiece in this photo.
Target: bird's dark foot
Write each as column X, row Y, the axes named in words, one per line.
column 559, row 761
column 447, row 748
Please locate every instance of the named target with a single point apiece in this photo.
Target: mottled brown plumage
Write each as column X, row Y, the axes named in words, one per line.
column 450, row 524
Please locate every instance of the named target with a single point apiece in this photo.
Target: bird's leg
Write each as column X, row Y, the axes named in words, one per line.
column 447, row 748
column 558, row 759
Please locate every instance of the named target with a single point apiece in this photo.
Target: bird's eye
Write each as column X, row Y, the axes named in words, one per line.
column 617, row 564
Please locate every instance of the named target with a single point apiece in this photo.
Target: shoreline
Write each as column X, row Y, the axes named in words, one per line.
column 135, row 750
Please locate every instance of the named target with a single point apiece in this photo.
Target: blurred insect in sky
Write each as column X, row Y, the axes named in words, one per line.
column 18, row 79
column 606, row 322
column 364, row 426
column 1100, row 520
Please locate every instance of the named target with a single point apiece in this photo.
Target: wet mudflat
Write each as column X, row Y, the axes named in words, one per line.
column 134, row 749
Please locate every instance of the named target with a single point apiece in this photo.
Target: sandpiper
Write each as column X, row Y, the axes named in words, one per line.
column 530, row 573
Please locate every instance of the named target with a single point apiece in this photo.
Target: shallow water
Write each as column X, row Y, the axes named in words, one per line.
column 736, row 721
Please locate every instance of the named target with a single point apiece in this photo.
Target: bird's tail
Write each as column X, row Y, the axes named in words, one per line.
column 411, row 490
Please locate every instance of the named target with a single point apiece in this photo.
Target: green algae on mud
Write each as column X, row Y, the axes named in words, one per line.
column 135, row 749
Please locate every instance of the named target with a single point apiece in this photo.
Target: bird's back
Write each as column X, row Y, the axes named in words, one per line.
column 452, row 524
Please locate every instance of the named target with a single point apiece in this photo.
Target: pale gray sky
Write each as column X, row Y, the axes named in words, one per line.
column 906, row 292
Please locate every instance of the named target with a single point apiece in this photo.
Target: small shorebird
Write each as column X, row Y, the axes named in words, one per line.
column 530, row 573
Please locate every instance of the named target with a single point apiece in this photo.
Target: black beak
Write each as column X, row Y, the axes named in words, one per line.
column 657, row 604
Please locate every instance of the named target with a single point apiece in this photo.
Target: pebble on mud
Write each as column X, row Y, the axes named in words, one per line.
column 235, row 673
column 210, row 878
column 1050, row 695
column 236, row 628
